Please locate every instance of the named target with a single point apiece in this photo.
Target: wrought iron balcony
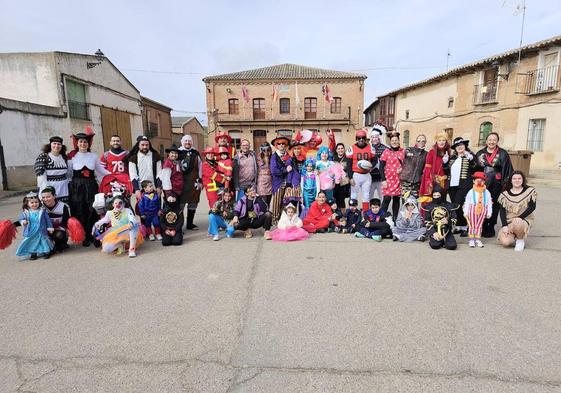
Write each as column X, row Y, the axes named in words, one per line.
column 542, row 80
column 485, row 93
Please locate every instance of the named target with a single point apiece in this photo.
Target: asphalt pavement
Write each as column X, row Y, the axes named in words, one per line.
column 330, row 314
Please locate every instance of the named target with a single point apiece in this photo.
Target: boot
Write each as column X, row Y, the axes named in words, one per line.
column 190, row 217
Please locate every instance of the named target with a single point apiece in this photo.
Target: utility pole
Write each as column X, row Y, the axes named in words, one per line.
column 447, row 58
column 521, row 30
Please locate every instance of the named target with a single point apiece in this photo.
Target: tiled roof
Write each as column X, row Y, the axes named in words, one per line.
column 178, row 121
column 470, row 66
column 285, row 72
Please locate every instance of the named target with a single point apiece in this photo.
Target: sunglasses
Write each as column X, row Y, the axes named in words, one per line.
column 280, row 143
column 362, row 138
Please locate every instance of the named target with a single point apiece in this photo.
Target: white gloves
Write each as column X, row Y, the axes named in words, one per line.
column 445, row 158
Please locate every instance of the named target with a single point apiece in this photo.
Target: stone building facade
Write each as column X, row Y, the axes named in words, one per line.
column 520, row 101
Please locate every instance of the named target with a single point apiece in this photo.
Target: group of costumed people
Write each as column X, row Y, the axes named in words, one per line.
column 307, row 188
column 299, row 185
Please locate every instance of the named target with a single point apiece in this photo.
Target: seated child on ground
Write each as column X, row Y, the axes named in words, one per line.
column 353, row 217
column 373, row 224
column 220, row 216
column 409, row 225
column 289, row 227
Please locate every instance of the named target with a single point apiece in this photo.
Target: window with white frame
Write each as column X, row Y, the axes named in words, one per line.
column 536, row 128
column 236, row 136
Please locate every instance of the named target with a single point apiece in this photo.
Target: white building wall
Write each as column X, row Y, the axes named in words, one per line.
column 29, row 77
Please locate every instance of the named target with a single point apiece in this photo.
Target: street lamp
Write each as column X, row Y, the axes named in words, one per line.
column 99, row 57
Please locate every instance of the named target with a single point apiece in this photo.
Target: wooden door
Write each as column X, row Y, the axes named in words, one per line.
column 116, row 123
column 259, row 137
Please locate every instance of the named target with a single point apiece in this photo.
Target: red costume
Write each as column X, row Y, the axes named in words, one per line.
column 311, row 145
column 393, row 160
column 317, row 217
column 231, row 149
column 224, row 166
column 435, row 170
column 213, row 179
column 115, row 162
column 172, row 177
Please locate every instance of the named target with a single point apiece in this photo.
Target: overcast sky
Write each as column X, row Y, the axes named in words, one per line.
column 394, row 42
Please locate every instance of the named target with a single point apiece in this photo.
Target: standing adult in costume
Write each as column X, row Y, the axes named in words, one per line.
column 495, row 163
column 114, row 160
column 86, row 167
column 59, row 213
column 377, row 148
column 245, row 169
column 192, row 168
column 391, row 166
column 361, row 179
column 343, row 189
column 223, row 139
column 264, row 180
column 282, row 171
column 517, row 204
column 311, row 141
column 413, row 166
column 53, row 169
column 461, row 169
column 144, row 164
column 436, row 166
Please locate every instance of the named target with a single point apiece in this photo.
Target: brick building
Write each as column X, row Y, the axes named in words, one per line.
column 183, row 125
column 262, row 103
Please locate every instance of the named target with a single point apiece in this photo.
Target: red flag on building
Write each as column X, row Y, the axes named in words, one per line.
column 326, row 91
column 245, row 94
column 275, row 92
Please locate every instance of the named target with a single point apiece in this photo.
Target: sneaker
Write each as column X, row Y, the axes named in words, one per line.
column 229, row 235
column 247, row 234
column 389, row 220
column 267, row 235
column 158, row 236
column 422, row 238
column 132, row 253
column 47, row 255
column 359, row 235
column 151, row 237
column 377, row 238
column 519, row 245
column 471, row 243
column 33, row 257
column 479, row 243
column 395, row 238
column 216, row 238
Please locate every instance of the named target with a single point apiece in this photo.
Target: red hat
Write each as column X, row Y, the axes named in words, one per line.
column 209, row 150
column 479, row 175
column 222, row 134
column 222, row 149
column 361, row 134
column 317, row 139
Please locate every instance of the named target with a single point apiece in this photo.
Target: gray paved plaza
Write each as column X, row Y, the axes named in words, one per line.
column 332, row 314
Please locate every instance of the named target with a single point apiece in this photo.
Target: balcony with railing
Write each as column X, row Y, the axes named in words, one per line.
column 542, row 80
column 485, row 93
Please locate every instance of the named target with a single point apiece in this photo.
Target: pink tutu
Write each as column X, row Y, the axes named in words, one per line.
column 289, row 234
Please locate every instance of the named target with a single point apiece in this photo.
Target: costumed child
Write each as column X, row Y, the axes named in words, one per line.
column 149, row 208
column 337, row 223
column 289, row 227
column 308, row 184
column 171, row 221
column 123, row 232
column 224, row 164
column 353, row 217
column 36, row 229
column 213, row 179
column 477, row 207
column 409, row 225
column 440, row 218
column 171, row 175
column 373, row 224
column 329, row 172
column 221, row 215
column 319, row 215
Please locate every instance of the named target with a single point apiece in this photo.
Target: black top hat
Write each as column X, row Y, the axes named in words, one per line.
column 172, row 148
column 458, row 141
